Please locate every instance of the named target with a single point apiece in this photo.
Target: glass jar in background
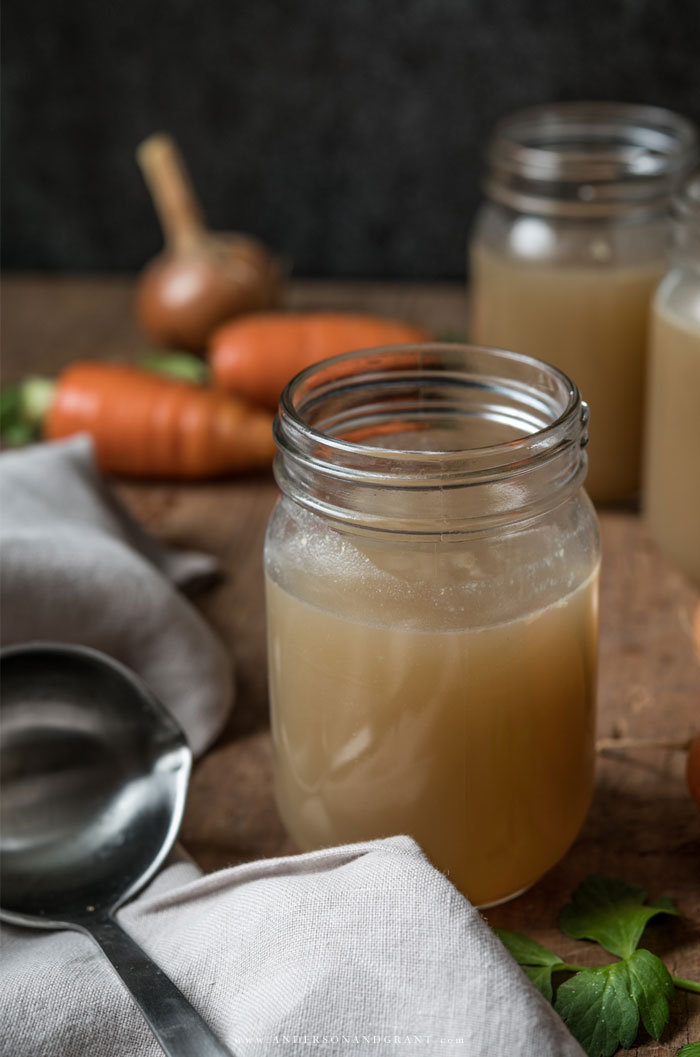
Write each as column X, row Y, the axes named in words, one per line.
column 432, row 608
column 567, row 250
column 672, row 462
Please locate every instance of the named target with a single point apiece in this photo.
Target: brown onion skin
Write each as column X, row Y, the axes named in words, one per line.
column 183, row 295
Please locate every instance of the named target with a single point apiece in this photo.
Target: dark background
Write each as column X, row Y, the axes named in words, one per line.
column 346, row 133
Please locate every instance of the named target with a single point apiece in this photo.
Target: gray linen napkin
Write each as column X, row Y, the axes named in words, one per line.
column 77, row 568
column 364, row 950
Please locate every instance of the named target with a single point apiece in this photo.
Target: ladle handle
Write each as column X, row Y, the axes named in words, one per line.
column 178, row 1027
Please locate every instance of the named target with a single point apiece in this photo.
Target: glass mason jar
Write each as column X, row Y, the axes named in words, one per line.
column 431, row 583
column 672, row 462
column 567, row 250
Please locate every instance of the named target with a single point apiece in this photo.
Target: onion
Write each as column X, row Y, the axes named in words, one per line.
column 201, row 278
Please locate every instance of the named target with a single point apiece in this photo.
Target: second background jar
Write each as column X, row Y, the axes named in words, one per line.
column 568, row 249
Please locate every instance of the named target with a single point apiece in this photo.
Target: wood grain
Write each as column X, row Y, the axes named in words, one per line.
column 642, row 825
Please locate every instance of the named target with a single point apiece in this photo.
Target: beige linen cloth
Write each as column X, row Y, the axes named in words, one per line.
column 364, row 949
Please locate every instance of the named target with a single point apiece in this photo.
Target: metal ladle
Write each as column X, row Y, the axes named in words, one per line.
column 94, row 775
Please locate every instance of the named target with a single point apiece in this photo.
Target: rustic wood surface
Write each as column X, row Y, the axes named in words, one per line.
column 642, row 826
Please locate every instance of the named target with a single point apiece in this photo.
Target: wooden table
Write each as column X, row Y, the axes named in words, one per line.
column 642, row 827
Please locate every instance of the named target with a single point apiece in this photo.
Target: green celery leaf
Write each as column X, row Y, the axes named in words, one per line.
column 541, row 977
column 18, row 434
column 611, row 912
column 537, row 961
column 653, row 989
column 664, row 903
column 602, row 1006
column 23, row 408
column 691, row 1050
column 180, row 365
column 526, row 951
column 10, row 404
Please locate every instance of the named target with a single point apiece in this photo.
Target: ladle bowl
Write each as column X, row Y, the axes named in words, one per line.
column 93, row 775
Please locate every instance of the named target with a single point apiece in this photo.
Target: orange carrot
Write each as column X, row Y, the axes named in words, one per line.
column 145, row 425
column 256, row 355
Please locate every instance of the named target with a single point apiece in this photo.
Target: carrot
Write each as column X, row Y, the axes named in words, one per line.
column 256, row 355
column 146, row 425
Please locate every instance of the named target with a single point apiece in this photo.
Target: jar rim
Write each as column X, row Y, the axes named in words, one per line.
column 298, row 386
column 530, row 412
column 589, row 158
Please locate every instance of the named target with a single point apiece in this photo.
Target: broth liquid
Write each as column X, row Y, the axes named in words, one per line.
column 592, row 324
column 479, row 743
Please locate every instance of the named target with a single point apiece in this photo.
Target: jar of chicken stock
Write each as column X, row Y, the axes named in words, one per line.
column 567, row 250
column 672, row 449
column 432, row 605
